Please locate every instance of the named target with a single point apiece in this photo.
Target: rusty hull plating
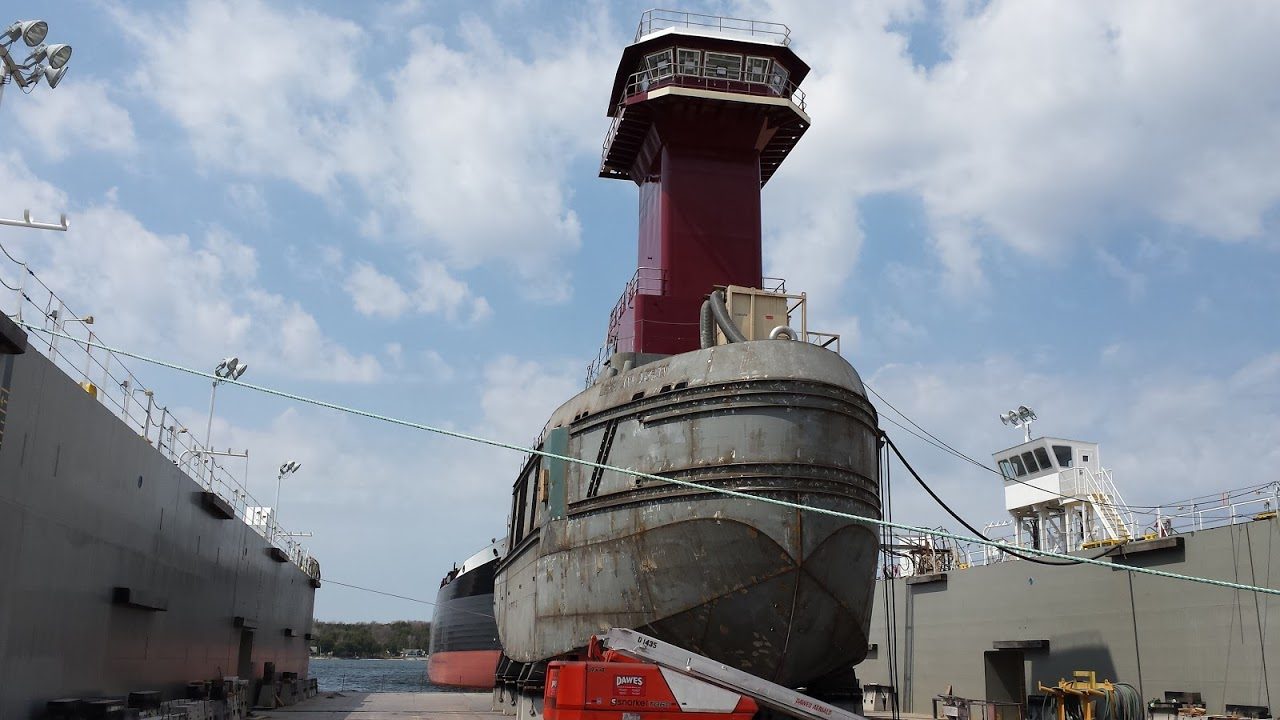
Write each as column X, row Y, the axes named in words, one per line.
column 779, row 593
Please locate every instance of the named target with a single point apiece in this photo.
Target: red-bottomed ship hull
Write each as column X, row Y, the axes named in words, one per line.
column 464, row 668
column 464, row 636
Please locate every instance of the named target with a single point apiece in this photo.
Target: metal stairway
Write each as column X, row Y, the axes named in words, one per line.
column 1106, row 506
column 771, row 695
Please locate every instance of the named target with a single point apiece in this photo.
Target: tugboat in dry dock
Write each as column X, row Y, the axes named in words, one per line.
column 712, row 375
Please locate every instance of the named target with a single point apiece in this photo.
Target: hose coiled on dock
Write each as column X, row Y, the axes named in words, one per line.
column 1120, row 703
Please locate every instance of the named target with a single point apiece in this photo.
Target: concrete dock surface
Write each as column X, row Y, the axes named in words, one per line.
column 388, row 706
column 416, row 706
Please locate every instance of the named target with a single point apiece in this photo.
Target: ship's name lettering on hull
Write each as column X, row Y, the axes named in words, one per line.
column 642, row 376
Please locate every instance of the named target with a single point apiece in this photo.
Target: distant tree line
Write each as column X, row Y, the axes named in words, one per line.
column 367, row 640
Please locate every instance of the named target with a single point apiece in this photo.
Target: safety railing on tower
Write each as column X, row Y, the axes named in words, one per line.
column 102, row 374
column 739, row 81
column 644, row 281
column 652, row 21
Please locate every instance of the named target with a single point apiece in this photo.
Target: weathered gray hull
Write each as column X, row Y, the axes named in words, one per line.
column 777, row 592
column 88, row 506
column 963, row 630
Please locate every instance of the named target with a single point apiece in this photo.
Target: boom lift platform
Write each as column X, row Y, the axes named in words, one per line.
column 631, row 676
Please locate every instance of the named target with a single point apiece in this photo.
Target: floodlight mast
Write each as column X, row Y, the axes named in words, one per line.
column 229, row 369
column 1021, row 416
column 46, row 61
column 288, row 468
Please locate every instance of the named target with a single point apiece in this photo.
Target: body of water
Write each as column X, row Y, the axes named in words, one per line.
column 373, row 675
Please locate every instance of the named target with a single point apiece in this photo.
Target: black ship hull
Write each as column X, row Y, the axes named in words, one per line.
column 117, row 575
column 464, row 636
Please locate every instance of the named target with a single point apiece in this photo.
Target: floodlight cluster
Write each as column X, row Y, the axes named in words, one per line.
column 230, row 369
column 46, row 62
column 1019, row 416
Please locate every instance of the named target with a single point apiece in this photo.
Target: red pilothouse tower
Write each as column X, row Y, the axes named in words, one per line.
column 705, row 110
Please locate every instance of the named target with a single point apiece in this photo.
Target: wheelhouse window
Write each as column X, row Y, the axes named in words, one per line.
column 659, row 64
column 1017, row 466
column 757, row 70
column 723, row 66
column 1029, row 460
column 690, row 61
column 1042, row 457
column 778, row 79
column 1063, row 454
column 524, row 501
column 1006, row 469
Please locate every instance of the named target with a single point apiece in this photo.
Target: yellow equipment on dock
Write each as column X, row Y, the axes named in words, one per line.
column 1085, row 687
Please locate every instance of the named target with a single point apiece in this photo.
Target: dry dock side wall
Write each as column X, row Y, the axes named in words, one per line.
column 87, row 506
column 997, row 630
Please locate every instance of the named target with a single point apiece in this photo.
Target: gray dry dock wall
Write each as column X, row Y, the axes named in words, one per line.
column 87, row 505
column 1190, row 637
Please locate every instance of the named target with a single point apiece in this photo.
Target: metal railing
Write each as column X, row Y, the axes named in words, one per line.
column 739, row 81
column 1202, row 516
column 1100, row 490
column 103, row 375
column 644, row 281
column 1234, row 507
column 950, row 707
column 658, row 19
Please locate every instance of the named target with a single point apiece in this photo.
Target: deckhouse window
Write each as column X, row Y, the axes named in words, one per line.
column 1029, row 460
column 1017, row 466
column 778, row 78
column 1006, row 469
column 1063, row 453
column 757, row 70
column 1043, row 458
column 658, row 64
column 723, row 66
column 690, row 61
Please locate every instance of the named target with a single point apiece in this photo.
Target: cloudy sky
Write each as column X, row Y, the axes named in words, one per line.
column 395, row 206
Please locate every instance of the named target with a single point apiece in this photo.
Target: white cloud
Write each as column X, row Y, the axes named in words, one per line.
column 186, row 299
column 519, row 396
column 439, row 292
column 1134, row 282
column 434, row 291
column 23, row 189
column 248, row 200
column 78, row 114
column 375, row 294
column 465, row 157
column 1167, row 434
column 1042, row 124
column 257, row 89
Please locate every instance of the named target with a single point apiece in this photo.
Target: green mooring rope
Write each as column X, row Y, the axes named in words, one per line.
column 649, row 476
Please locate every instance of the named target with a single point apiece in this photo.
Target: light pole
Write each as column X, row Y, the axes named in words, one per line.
column 288, row 468
column 46, row 62
column 1021, row 417
column 229, row 369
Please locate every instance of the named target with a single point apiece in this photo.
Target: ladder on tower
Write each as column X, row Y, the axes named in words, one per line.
column 675, row 658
